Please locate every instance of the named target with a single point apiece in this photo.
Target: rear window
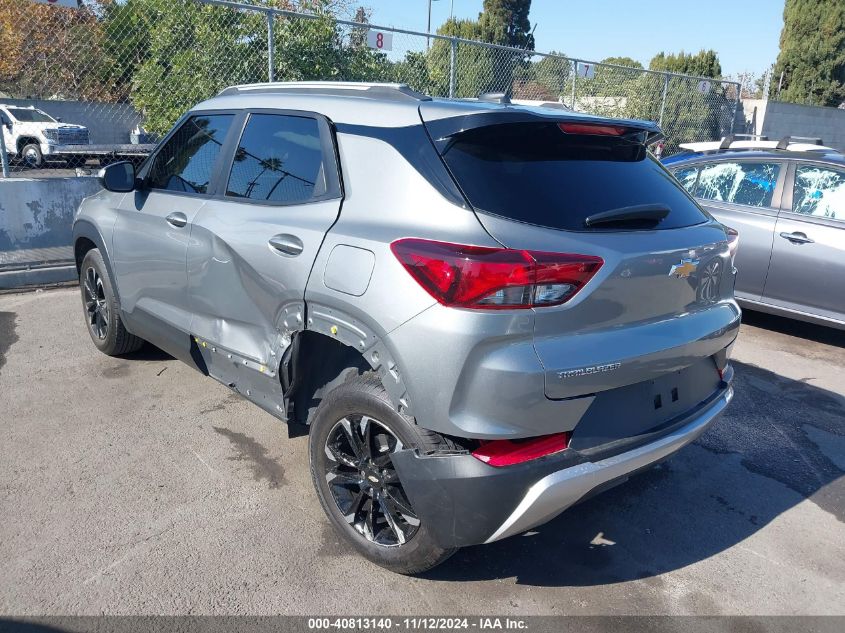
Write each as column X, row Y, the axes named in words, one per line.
column 535, row 173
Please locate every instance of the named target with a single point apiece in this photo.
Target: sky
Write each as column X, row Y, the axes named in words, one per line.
column 745, row 33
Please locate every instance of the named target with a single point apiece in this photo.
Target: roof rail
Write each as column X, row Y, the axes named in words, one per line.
column 728, row 143
column 382, row 91
column 786, row 141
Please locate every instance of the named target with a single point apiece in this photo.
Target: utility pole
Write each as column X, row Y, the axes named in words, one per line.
column 4, row 158
column 428, row 30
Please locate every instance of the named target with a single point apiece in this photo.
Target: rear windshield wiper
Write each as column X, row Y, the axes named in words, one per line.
column 640, row 214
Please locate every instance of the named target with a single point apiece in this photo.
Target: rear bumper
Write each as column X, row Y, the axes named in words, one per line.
column 556, row 492
column 477, row 374
column 466, row 502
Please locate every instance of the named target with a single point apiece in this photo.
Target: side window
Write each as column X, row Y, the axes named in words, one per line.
column 819, row 191
column 687, row 177
column 186, row 162
column 279, row 159
column 4, row 120
column 751, row 184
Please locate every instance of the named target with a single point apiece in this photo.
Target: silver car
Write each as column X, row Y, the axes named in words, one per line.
column 481, row 313
column 786, row 201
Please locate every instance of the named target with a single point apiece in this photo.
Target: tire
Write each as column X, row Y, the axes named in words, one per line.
column 100, row 309
column 363, row 403
column 31, row 156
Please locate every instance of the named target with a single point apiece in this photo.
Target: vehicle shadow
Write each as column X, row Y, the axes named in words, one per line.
column 792, row 327
column 780, row 442
column 149, row 352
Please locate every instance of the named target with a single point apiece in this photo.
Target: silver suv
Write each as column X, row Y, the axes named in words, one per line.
column 481, row 313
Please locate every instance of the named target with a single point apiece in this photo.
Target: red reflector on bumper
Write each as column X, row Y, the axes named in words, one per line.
column 511, row 452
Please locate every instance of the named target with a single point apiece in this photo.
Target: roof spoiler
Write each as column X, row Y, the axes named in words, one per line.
column 443, row 129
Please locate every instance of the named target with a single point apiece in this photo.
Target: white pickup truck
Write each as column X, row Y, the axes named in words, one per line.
column 31, row 135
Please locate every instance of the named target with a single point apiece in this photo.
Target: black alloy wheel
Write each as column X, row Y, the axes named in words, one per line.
column 364, row 483
column 96, row 303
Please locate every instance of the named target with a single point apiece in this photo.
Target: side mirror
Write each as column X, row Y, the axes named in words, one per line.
column 118, row 177
column 59, row 119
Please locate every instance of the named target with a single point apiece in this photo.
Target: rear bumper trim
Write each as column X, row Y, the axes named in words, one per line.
column 557, row 491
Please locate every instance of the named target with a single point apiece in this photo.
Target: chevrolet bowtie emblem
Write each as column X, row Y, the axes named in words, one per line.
column 684, row 269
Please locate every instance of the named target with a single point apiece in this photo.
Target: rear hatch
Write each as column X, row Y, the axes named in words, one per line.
column 661, row 302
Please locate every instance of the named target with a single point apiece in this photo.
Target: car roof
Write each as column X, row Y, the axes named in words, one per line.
column 690, row 158
column 376, row 104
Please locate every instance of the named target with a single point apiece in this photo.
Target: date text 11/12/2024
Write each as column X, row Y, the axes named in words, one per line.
column 417, row 623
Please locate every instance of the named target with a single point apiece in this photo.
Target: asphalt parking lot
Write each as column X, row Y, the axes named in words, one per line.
column 137, row 486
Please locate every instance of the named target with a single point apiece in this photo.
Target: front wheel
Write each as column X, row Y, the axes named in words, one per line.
column 353, row 435
column 99, row 306
column 31, row 156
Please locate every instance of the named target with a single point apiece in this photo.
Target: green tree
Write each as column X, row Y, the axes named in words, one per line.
column 546, row 79
column 413, row 70
column 195, row 50
column 359, row 33
column 690, row 115
column 812, row 53
column 702, row 64
column 318, row 49
column 622, row 61
column 611, row 89
column 126, row 36
column 475, row 66
column 506, row 22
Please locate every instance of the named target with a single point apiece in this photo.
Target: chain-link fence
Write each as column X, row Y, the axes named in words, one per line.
column 103, row 80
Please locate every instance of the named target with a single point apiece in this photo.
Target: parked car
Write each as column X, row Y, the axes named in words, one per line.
column 31, row 135
column 481, row 312
column 786, row 199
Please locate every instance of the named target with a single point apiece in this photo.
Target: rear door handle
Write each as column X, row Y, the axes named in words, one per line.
column 177, row 219
column 797, row 238
column 287, row 244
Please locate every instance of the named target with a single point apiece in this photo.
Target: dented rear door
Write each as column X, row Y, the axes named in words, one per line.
column 253, row 245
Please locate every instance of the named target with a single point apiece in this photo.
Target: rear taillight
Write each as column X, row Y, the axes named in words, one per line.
column 494, row 278
column 733, row 242
column 510, row 452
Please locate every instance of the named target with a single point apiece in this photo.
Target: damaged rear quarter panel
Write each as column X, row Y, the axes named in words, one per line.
column 377, row 211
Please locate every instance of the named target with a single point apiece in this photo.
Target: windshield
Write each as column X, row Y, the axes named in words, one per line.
column 535, row 173
column 25, row 115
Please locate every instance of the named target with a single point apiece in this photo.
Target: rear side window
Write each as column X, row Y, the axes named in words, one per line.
column 820, row 192
column 279, row 159
column 535, row 173
column 687, row 177
column 186, row 161
column 749, row 183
